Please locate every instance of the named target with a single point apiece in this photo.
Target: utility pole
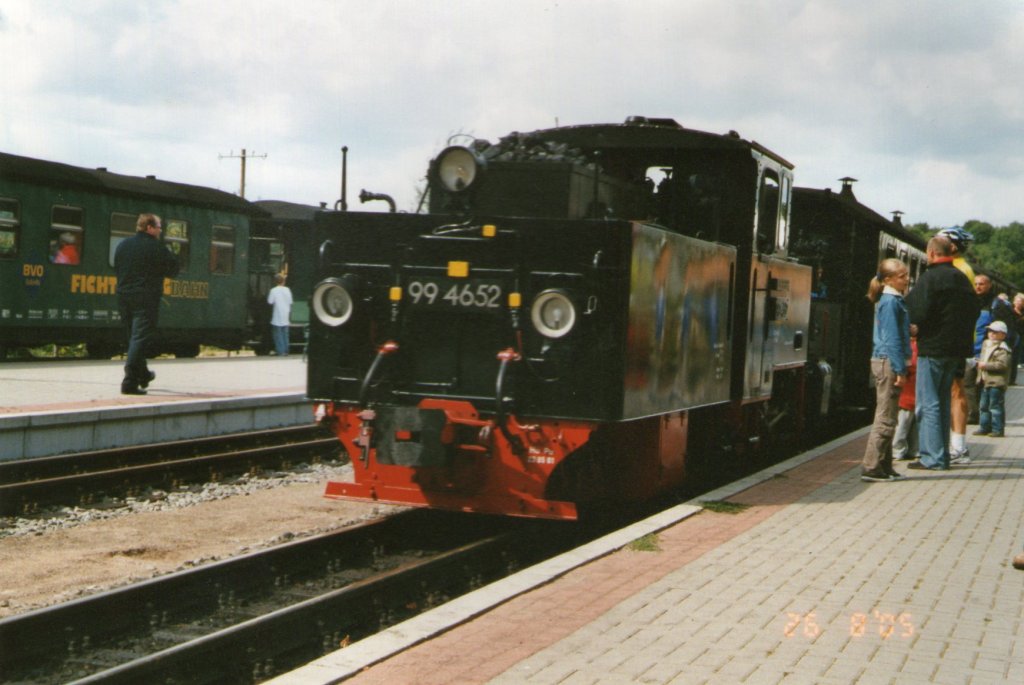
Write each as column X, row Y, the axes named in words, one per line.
column 243, row 157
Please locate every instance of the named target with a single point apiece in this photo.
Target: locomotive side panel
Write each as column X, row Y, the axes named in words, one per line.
column 780, row 320
column 678, row 345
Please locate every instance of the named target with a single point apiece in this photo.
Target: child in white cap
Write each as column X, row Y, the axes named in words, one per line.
column 993, row 375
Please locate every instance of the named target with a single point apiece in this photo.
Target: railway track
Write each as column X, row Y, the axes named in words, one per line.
column 83, row 478
column 249, row 618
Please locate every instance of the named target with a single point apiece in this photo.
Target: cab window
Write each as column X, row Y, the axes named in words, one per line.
column 782, row 239
column 222, row 250
column 684, row 199
column 10, row 227
column 122, row 227
column 767, row 212
column 67, row 229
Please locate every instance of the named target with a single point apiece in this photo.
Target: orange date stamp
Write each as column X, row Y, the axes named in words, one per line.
column 885, row 625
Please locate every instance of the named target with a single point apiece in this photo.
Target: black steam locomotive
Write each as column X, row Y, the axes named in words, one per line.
column 582, row 310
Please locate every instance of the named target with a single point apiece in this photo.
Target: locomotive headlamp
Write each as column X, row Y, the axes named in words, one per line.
column 553, row 313
column 332, row 302
column 457, row 168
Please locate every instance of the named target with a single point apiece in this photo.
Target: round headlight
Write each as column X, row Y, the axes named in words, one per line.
column 457, row 168
column 553, row 313
column 332, row 303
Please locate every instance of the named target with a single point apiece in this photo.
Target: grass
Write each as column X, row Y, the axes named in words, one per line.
column 723, row 507
column 648, row 543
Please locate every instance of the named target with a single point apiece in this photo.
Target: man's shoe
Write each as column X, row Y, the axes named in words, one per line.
column 962, row 460
column 132, row 390
column 980, row 432
column 875, row 477
column 1018, row 561
column 920, row 466
column 150, row 377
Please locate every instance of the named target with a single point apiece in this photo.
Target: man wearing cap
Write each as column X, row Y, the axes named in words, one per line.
column 944, row 308
column 993, row 374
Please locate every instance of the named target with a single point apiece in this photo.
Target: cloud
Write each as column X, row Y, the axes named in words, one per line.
column 894, row 93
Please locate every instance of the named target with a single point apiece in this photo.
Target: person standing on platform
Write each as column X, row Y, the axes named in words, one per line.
column 960, row 406
column 142, row 263
column 992, row 309
column 280, row 298
column 993, row 375
column 890, row 357
column 943, row 306
column 1018, row 326
column 904, row 440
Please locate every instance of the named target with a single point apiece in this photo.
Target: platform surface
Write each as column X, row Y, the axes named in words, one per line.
column 50, row 386
column 822, row 578
column 49, row 408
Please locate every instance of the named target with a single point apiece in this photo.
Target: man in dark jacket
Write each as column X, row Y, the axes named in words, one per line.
column 943, row 307
column 992, row 309
column 141, row 262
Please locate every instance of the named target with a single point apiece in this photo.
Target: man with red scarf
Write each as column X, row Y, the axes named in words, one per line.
column 943, row 307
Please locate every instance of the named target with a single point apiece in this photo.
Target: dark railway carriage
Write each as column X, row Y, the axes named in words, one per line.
column 578, row 307
column 59, row 227
column 280, row 242
column 843, row 240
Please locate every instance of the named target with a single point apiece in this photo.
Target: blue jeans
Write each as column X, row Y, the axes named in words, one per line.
column 140, row 326
column 934, row 384
column 990, row 410
column 280, row 340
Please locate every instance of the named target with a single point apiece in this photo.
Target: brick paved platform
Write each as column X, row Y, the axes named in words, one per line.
column 820, row 579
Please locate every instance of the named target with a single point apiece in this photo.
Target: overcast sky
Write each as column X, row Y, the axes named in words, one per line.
column 921, row 100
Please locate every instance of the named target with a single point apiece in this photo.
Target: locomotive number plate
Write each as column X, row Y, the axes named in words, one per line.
column 471, row 294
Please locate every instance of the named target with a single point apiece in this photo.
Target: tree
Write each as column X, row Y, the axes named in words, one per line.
column 982, row 231
column 923, row 230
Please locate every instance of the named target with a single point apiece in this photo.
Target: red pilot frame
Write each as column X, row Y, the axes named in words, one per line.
column 466, row 463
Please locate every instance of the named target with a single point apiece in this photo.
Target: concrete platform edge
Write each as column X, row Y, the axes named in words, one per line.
column 40, row 434
column 346, row 662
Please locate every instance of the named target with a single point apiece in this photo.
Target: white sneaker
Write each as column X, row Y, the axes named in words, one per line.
column 962, row 460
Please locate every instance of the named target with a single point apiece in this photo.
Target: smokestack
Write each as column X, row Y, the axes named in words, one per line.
column 896, row 220
column 847, row 189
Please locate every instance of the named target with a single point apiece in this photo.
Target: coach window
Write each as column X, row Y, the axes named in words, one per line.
column 222, row 250
column 122, row 227
column 67, row 227
column 767, row 212
column 10, row 224
column 177, row 237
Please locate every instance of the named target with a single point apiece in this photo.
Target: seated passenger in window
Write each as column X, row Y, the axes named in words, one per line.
column 819, row 290
column 68, row 252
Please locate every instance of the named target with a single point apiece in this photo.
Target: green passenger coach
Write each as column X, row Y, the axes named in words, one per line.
column 59, row 228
